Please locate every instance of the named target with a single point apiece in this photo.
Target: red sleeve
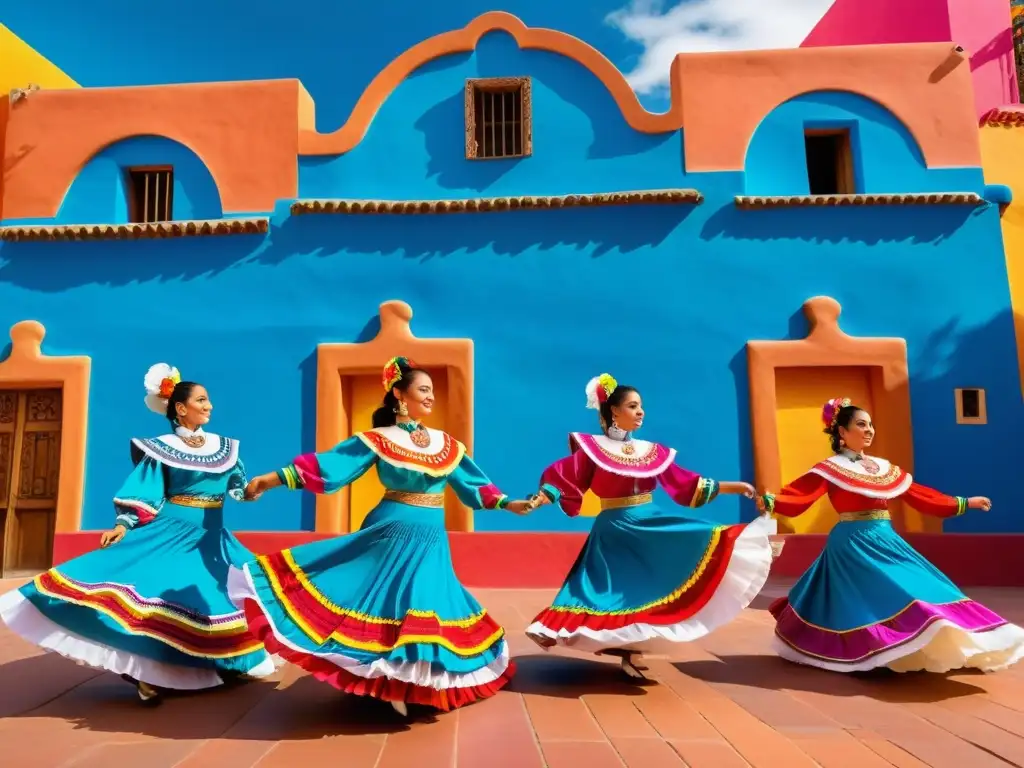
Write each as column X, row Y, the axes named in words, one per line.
column 797, row 497
column 931, row 502
column 565, row 481
column 688, row 488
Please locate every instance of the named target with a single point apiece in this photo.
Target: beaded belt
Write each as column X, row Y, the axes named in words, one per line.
column 199, row 502
column 858, row 517
column 415, row 499
column 627, row 501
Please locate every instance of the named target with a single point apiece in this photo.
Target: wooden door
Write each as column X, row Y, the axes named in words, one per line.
column 30, row 432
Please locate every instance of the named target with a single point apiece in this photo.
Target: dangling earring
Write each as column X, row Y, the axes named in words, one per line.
column 403, row 410
column 841, row 442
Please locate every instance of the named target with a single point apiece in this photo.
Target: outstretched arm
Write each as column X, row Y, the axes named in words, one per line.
column 567, row 480
column 691, row 490
column 796, row 498
column 928, row 501
column 322, row 473
column 476, row 491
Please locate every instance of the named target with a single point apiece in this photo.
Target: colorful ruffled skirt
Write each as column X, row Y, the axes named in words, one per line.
column 647, row 575
column 153, row 607
column 378, row 613
column 870, row 600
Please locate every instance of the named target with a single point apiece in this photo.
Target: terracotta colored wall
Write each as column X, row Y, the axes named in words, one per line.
column 245, row 133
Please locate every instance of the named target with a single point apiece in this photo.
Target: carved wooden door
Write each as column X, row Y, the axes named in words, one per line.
column 30, row 432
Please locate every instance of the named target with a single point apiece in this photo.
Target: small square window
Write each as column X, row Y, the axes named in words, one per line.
column 970, row 406
column 829, row 162
column 150, row 194
column 498, row 118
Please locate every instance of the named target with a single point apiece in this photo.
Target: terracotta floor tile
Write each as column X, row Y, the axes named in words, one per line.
column 974, row 731
column 888, row 751
column 580, row 754
column 724, row 701
column 709, row 754
column 427, row 744
column 647, row 753
column 150, row 753
column 838, row 750
column 562, row 718
column 672, row 717
column 350, row 751
column 497, row 733
column 618, row 716
column 761, row 746
column 227, row 753
column 984, row 709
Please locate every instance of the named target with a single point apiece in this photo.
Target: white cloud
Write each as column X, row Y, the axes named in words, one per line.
column 702, row 26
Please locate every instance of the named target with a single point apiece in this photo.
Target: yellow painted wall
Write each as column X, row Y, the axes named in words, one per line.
column 366, row 394
column 800, row 395
column 1002, row 157
column 20, row 65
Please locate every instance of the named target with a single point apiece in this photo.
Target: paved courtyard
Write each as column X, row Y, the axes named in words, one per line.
column 725, row 702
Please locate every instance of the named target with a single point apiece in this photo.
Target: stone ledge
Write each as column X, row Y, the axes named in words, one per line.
column 488, row 204
column 163, row 229
column 832, row 201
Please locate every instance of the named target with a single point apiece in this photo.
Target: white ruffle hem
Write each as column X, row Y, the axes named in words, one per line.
column 745, row 577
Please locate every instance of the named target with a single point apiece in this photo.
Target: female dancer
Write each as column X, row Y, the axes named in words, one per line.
column 644, row 573
column 870, row 600
column 380, row 612
column 151, row 605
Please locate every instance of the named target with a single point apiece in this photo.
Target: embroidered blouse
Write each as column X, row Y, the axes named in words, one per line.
column 621, row 469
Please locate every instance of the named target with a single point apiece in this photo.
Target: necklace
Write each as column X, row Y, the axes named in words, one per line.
column 627, row 448
column 417, row 433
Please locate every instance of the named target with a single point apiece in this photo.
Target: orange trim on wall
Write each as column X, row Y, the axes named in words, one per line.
column 465, row 40
column 53, row 134
column 244, row 132
column 28, row 368
column 826, row 345
column 334, row 362
column 925, row 85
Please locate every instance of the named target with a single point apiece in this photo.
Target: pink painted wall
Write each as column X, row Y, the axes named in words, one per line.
column 866, row 22
column 983, row 28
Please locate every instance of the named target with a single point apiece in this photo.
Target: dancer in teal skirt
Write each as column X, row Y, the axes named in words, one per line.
column 645, row 573
column 870, row 600
column 380, row 612
column 152, row 605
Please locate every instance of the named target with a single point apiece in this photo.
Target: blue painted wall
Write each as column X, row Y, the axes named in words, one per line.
column 663, row 297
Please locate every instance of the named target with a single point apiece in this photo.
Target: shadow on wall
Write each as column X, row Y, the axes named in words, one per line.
column 70, row 265
column 100, row 193
column 953, row 357
column 895, row 223
column 581, row 141
column 950, row 358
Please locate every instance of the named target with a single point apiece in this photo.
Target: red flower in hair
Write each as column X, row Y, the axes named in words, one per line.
column 166, row 388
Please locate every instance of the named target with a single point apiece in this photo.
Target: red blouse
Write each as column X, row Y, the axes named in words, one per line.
column 860, row 484
column 599, row 465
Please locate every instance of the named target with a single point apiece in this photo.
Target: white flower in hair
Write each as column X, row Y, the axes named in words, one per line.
column 598, row 390
column 160, row 382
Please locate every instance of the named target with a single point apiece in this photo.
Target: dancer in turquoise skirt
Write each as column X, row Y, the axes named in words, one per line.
column 644, row 573
column 870, row 600
column 151, row 605
column 380, row 612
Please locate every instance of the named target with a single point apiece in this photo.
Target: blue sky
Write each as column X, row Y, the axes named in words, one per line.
column 336, row 46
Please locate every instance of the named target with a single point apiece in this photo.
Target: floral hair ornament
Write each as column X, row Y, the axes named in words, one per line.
column 392, row 373
column 160, row 381
column 599, row 389
column 830, row 413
